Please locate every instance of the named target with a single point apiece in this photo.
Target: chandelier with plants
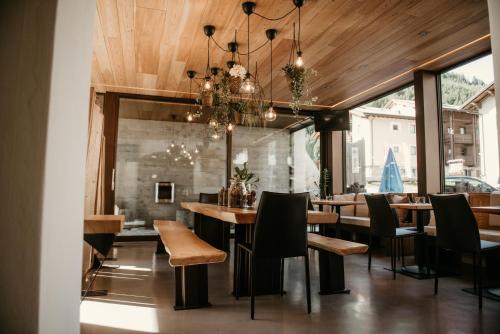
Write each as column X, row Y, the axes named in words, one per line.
column 235, row 96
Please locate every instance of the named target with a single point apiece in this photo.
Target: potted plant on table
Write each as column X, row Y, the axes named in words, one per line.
column 243, row 185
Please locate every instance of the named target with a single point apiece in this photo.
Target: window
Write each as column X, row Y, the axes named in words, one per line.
column 368, row 143
column 413, row 150
column 413, row 129
column 469, row 122
column 305, row 160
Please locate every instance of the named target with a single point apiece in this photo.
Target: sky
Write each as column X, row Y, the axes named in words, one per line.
column 481, row 68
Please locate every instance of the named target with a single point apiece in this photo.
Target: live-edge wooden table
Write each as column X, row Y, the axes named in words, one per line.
column 100, row 231
column 268, row 279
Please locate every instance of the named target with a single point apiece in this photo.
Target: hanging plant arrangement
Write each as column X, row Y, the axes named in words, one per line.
column 299, row 84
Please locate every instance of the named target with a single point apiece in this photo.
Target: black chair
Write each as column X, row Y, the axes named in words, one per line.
column 384, row 224
column 280, row 232
column 457, row 230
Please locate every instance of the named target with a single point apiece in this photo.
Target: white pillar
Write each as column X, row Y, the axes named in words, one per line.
column 45, row 51
column 427, row 125
column 494, row 16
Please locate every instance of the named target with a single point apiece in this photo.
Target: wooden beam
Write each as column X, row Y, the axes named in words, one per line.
column 110, row 110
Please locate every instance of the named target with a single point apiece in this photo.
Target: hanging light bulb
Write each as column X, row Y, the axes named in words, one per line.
column 172, row 145
column 196, row 151
column 189, row 117
column 230, row 127
column 207, row 85
column 270, row 114
column 191, row 163
column 299, row 62
column 213, row 123
column 247, row 86
column 215, row 135
column 168, row 150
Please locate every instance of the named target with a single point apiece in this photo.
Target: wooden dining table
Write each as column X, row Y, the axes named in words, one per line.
column 337, row 204
column 243, row 220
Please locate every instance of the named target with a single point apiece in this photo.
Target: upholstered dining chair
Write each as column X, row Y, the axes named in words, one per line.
column 384, row 224
column 280, row 232
column 457, row 230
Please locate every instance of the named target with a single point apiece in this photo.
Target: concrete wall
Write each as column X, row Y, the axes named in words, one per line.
column 142, row 161
column 45, row 51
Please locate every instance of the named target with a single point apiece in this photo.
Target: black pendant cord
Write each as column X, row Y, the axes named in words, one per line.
column 248, row 40
column 298, row 35
column 240, row 53
column 276, row 18
column 291, row 58
column 271, row 72
column 208, row 59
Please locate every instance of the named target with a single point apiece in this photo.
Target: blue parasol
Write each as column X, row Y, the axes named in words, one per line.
column 391, row 179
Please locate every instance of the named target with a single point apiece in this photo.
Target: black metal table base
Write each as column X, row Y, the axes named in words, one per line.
column 490, row 293
column 191, row 287
column 416, row 272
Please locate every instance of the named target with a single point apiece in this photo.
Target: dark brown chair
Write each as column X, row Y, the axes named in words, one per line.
column 280, row 232
column 457, row 230
column 384, row 223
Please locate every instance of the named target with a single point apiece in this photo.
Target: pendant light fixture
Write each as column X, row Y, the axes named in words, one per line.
column 247, row 86
column 208, row 83
column 299, row 61
column 270, row 114
column 191, row 74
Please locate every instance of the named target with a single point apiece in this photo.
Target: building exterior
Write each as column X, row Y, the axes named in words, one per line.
column 373, row 132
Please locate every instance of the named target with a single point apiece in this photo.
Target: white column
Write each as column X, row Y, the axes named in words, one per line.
column 46, row 48
column 427, row 124
column 494, row 15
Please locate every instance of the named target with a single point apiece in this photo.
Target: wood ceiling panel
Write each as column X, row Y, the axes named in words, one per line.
column 359, row 48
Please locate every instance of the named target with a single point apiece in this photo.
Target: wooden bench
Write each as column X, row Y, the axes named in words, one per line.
column 189, row 255
column 484, row 234
column 331, row 261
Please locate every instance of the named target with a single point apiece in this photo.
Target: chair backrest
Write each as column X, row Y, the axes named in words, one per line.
column 208, row 198
column 456, row 226
column 310, row 205
column 280, row 225
column 383, row 219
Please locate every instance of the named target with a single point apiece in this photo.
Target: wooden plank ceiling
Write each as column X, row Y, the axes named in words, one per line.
column 360, row 48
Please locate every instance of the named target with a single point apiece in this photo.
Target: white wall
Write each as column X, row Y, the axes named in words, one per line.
column 494, row 15
column 489, row 148
column 45, row 53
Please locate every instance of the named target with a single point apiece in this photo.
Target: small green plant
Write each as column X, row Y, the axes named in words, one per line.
column 245, row 176
column 324, row 183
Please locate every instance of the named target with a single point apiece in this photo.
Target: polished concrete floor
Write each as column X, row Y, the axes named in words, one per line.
column 141, row 292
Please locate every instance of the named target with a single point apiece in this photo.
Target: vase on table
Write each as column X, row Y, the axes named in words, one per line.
column 236, row 194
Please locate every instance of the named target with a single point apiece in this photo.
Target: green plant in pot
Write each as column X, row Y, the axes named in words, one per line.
column 243, row 186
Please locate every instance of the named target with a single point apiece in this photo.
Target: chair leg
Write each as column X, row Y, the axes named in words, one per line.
column 474, row 271
column 308, row 283
column 402, row 252
column 369, row 252
column 282, row 275
column 252, row 286
column 480, row 282
column 238, row 272
column 436, row 265
column 393, row 257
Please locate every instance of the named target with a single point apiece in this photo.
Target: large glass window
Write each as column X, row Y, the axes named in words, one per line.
column 381, row 145
column 304, row 174
column 470, row 132
column 156, row 145
column 267, row 154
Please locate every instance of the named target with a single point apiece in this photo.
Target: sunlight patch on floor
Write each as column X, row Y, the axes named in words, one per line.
column 127, row 317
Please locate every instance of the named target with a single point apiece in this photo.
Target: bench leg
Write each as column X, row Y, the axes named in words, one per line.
column 331, row 274
column 191, row 287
